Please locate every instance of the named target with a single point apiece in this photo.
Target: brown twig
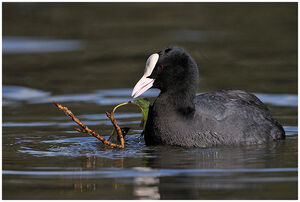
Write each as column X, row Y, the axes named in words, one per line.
column 117, row 127
column 85, row 129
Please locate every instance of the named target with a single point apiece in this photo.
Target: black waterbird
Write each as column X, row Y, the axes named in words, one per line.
column 180, row 117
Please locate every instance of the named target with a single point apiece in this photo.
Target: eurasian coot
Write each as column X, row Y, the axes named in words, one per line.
column 179, row 117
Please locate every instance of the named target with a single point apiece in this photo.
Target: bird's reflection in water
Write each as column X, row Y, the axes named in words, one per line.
column 146, row 188
column 222, row 168
column 199, row 173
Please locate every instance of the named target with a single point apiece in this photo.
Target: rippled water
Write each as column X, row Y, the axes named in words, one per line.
column 91, row 65
column 52, row 154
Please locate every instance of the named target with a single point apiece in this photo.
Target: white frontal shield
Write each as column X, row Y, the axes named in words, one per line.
column 145, row 83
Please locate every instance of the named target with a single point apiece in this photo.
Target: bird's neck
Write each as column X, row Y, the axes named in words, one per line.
column 181, row 98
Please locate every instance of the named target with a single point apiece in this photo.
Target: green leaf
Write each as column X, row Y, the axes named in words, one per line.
column 143, row 104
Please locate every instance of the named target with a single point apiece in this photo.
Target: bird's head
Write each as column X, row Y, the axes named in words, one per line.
column 171, row 68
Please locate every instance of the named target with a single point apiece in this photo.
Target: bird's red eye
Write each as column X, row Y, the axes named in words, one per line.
column 161, row 67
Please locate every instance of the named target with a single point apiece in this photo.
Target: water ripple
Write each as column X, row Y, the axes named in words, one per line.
column 148, row 172
column 113, row 96
column 13, row 45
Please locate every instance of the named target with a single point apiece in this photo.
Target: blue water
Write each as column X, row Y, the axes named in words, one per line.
column 21, row 45
column 114, row 96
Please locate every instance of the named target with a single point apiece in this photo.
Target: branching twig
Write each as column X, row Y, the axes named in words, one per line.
column 85, row 129
column 117, row 127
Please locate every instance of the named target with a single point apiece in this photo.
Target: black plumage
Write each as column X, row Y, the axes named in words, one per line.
column 224, row 117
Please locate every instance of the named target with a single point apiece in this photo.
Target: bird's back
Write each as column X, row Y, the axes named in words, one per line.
column 236, row 117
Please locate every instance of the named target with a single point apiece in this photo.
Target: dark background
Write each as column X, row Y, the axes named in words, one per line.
column 250, row 46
